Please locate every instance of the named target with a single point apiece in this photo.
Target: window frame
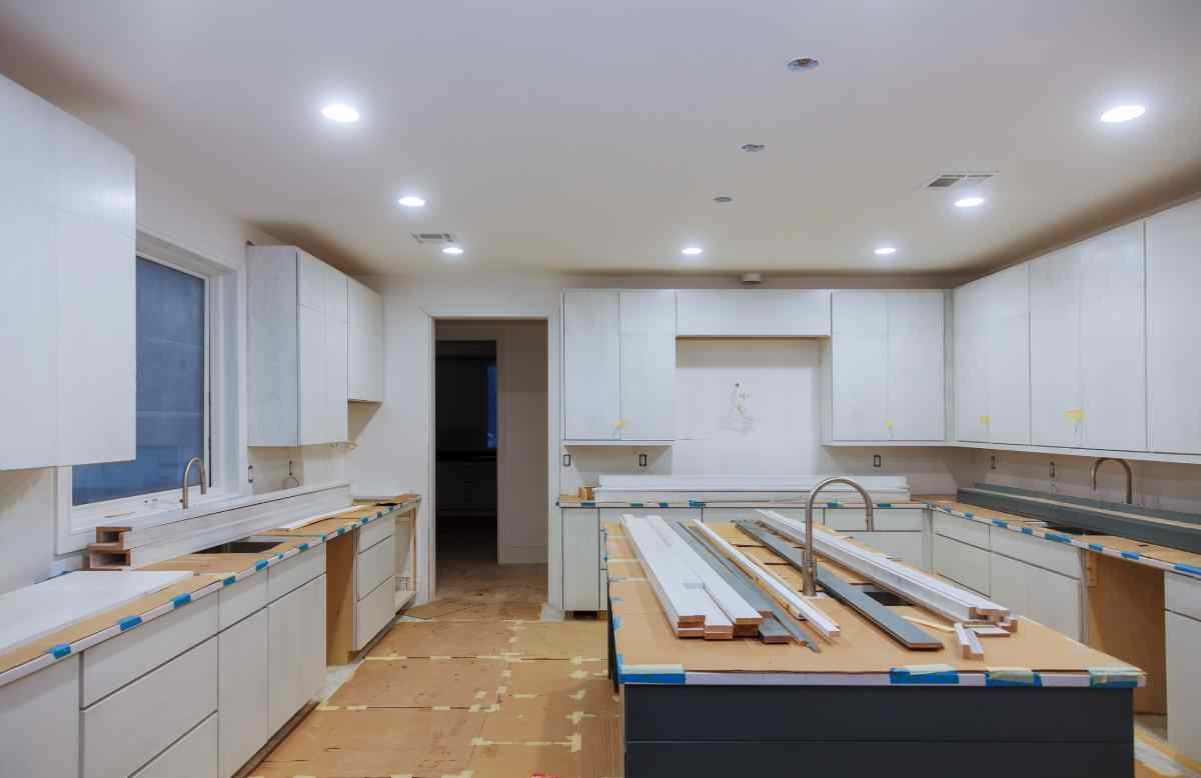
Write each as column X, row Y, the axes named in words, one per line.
column 75, row 525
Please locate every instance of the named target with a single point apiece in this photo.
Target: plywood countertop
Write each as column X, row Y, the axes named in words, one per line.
column 862, row 654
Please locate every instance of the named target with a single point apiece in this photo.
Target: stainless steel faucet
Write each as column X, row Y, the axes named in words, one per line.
column 204, row 480
column 1129, row 476
column 810, row 559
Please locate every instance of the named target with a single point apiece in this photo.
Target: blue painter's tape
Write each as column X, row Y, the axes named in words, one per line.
column 129, row 622
column 1100, row 679
column 230, row 580
column 1188, row 569
column 833, row 504
column 946, row 509
column 696, row 504
column 883, row 505
column 589, row 503
column 180, row 600
column 341, row 530
column 664, row 675
column 303, row 546
column 664, row 504
column 59, row 650
column 261, row 564
column 615, row 598
column 1131, row 555
column 617, row 622
column 1055, row 536
column 1027, row 531
column 969, row 515
column 903, row 675
column 1096, row 547
column 280, row 555
column 1006, row 679
column 929, row 505
column 1000, row 522
column 382, row 514
column 635, row 505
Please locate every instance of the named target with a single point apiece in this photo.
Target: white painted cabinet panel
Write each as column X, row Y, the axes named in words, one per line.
column 375, row 565
column 591, row 365
column 964, row 564
column 312, row 661
column 285, row 677
column 192, row 756
column 39, row 722
column 243, row 690
column 1055, row 393
column 907, row 546
column 581, row 559
column 66, row 287
column 971, row 364
column 915, row 365
column 1183, row 635
column 373, row 612
column 1007, row 312
column 859, row 353
column 1042, row 595
column 648, row 364
column 753, row 313
column 298, row 360
column 365, row 338
column 1173, row 320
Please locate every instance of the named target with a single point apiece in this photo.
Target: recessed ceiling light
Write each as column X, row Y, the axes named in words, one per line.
column 753, row 147
column 723, row 199
column 452, row 250
column 340, row 112
column 969, row 202
column 886, row 250
column 803, row 63
column 411, row 201
column 692, row 251
column 1122, row 113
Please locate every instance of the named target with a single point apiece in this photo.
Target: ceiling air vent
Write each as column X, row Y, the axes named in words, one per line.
column 433, row 238
column 949, row 180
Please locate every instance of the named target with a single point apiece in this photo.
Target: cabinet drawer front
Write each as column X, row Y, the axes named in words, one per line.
column 370, row 534
column 1182, row 595
column 582, row 559
column 1059, row 557
column 243, row 690
column 907, row 546
column 962, row 563
column 374, row 566
column 886, row 519
column 242, row 599
column 192, row 756
column 614, row 515
column 373, row 613
column 1055, row 602
column 39, row 722
column 128, row 728
column 114, row 663
column 294, row 572
column 964, row 530
column 1183, row 635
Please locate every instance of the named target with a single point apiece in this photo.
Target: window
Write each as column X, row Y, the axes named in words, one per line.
column 172, row 390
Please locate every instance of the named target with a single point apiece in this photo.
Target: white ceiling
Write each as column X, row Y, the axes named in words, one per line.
column 592, row 137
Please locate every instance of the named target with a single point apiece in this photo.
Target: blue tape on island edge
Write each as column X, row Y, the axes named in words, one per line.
column 230, row 580
column 833, row 504
column 1095, row 547
column 261, row 564
column 1188, row 569
column 181, row 599
column 695, row 504
column 883, row 505
column 989, row 680
column 280, row 555
column 1112, row 683
column 589, row 503
column 59, row 651
column 304, row 547
column 665, row 678
column 900, row 675
column 1027, row 531
column 617, row 622
column 1131, row 555
column 129, row 622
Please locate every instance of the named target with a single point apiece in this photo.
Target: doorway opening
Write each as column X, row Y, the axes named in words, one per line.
column 490, row 458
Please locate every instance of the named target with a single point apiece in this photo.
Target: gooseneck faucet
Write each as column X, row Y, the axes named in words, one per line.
column 204, row 480
column 810, row 559
column 1129, row 476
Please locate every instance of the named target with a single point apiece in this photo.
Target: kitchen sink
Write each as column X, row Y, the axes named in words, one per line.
column 243, row 546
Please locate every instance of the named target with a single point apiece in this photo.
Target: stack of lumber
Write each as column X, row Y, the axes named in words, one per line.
column 698, row 602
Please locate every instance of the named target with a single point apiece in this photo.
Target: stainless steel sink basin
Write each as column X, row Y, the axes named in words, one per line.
column 243, row 546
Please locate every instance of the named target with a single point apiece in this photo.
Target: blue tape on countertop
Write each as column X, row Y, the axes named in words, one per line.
column 589, row 503
column 904, row 675
column 883, row 505
column 280, row 555
column 230, row 580
column 833, row 504
column 181, row 599
column 1131, row 555
column 664, row 505
column 696, row 504
column 341, row 530
column 1055, row 536
column 664, row 675
column 303, row 546
column 1188, row 569
column 929, row 505
column 1027, row 531
column 617, row 622
column 129, row 622
column 1000, row 522
column 1096, row 547
column 635, row 505
column 616, row 598
column 261, row 564
column 1117, row 678
column 59, row 650
column 1001, row 678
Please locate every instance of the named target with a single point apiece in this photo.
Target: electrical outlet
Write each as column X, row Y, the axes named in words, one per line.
column 876, row 461
column 642, row 460
column 1052, row 469
column 567, row 460
column 992, row 462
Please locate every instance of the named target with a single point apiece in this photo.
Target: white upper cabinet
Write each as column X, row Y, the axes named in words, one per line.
column 619, row 365
column 753, row 313
column 67, row 288
column 1056, row 403
column 886, row 371
column 365, row 333
column 297, row 370
column 992, row 358
column 1173, row 322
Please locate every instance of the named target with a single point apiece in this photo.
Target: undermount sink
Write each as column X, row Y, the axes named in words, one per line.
column 243, row 546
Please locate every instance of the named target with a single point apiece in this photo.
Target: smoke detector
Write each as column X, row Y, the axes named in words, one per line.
column 752, row 279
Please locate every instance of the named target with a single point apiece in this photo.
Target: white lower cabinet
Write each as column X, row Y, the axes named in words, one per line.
column 294, row 635
column 192, row 756
column 964, row 564
column 39, row 722
column 131, row 726
column 242, row 690
column 907, row 546
column 1045, row 596
column 581, row 559
column 1183, row 635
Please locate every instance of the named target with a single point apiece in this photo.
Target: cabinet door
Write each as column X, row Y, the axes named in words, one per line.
column 1173, row 348
column 285, row 677
column 311, row 286
column 1007, row 312
column 365, row 335
column 313, row 643
column 1183, row 635
column 1113, row 340
column 1055, row 601
column 916, row 392
column 335, row 294
column 39, row 722
column 859, row 352
column 581, row 559
column 336, row 367
column 1055, row 398
column 313, row 379
column 971, row 364
column 1009, row 583
column 243, row 690
column 591, row 365
column 648, row 364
